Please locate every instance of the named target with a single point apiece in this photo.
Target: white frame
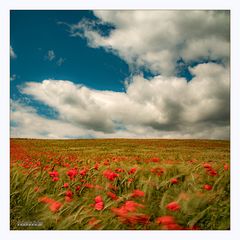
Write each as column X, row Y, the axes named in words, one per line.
column 6, row 6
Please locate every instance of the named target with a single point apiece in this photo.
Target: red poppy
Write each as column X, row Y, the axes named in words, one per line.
column 113, row 196
column 98, row 199
column 78, row 188
column 72, row 173
column 127, row 213
column 83, row 172
column 55, row 179
column 96, row 166
column 99, row 187
column 155, row 159
column 53, row 174
column 130, row 180
column 110, row 175
column 132, row 206
column 65, row 185
column 226, row 167
column 55, row 206
column 68, row 199
column 207, row 165
column 158, row 171
column 132, row 170
column 45, row 199
column 212, row 172
column 173, row 206
column 137, row 193
column 99, row 206
column 207, row 187
column 174, row 180
column 89, row 185
column 69, row 193
column 165, row 220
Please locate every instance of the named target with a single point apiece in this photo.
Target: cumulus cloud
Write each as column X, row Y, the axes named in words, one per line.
column 12, row 53
column 157, row 39
column 161, row 107
column 60, row 61
column 164, row 106
column 50, row 55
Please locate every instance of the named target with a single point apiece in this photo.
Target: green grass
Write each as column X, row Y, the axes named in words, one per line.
column 32, row 160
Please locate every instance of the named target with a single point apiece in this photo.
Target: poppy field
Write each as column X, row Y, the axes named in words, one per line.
column 119, row 184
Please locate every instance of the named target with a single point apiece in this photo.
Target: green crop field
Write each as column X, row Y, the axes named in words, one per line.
column 120, row 184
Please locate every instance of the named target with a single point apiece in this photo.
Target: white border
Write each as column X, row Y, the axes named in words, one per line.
column 5, row 6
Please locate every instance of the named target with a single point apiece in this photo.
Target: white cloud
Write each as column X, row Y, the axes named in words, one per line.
column 157, row 39
column 12, row 53
column 161, row 107
column 60, row 61
column 50, row 55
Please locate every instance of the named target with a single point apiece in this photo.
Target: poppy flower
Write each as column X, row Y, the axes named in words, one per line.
column 89, row 185
column 69, row 193
column 78, row 188
column 68, row 199
column 110, row 175
column 158, row 171
column 55, row 206
column 72, row 173
column 132, row 170
column 99, row 206
column 212, row 172
column 131, row 206
column 226, row 167
column 53, row 174
column 45, row 199
column 165, row 220
column 207, row 165
column 96, row 166
column 137, row 193
column 207, row 187
column 65, row 185
column 113, row 196
column 55, row 179
column 174, row 180
column 155, row 159
column 83, row 172
column 173, row 206
column 130, row 180
column 98, row 199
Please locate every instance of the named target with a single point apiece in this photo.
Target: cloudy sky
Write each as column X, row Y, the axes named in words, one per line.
column 107, row 74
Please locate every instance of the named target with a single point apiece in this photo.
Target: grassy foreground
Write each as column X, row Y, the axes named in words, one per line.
column 120, row 184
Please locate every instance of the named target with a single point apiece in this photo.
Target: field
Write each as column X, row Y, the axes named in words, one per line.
column 120, row 184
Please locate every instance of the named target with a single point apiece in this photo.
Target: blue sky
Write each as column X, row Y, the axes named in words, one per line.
column 119, row 74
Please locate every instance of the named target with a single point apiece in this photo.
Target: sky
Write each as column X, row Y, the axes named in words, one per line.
column 120, row 74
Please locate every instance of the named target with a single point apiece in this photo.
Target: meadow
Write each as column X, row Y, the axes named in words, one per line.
column 119, row 184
